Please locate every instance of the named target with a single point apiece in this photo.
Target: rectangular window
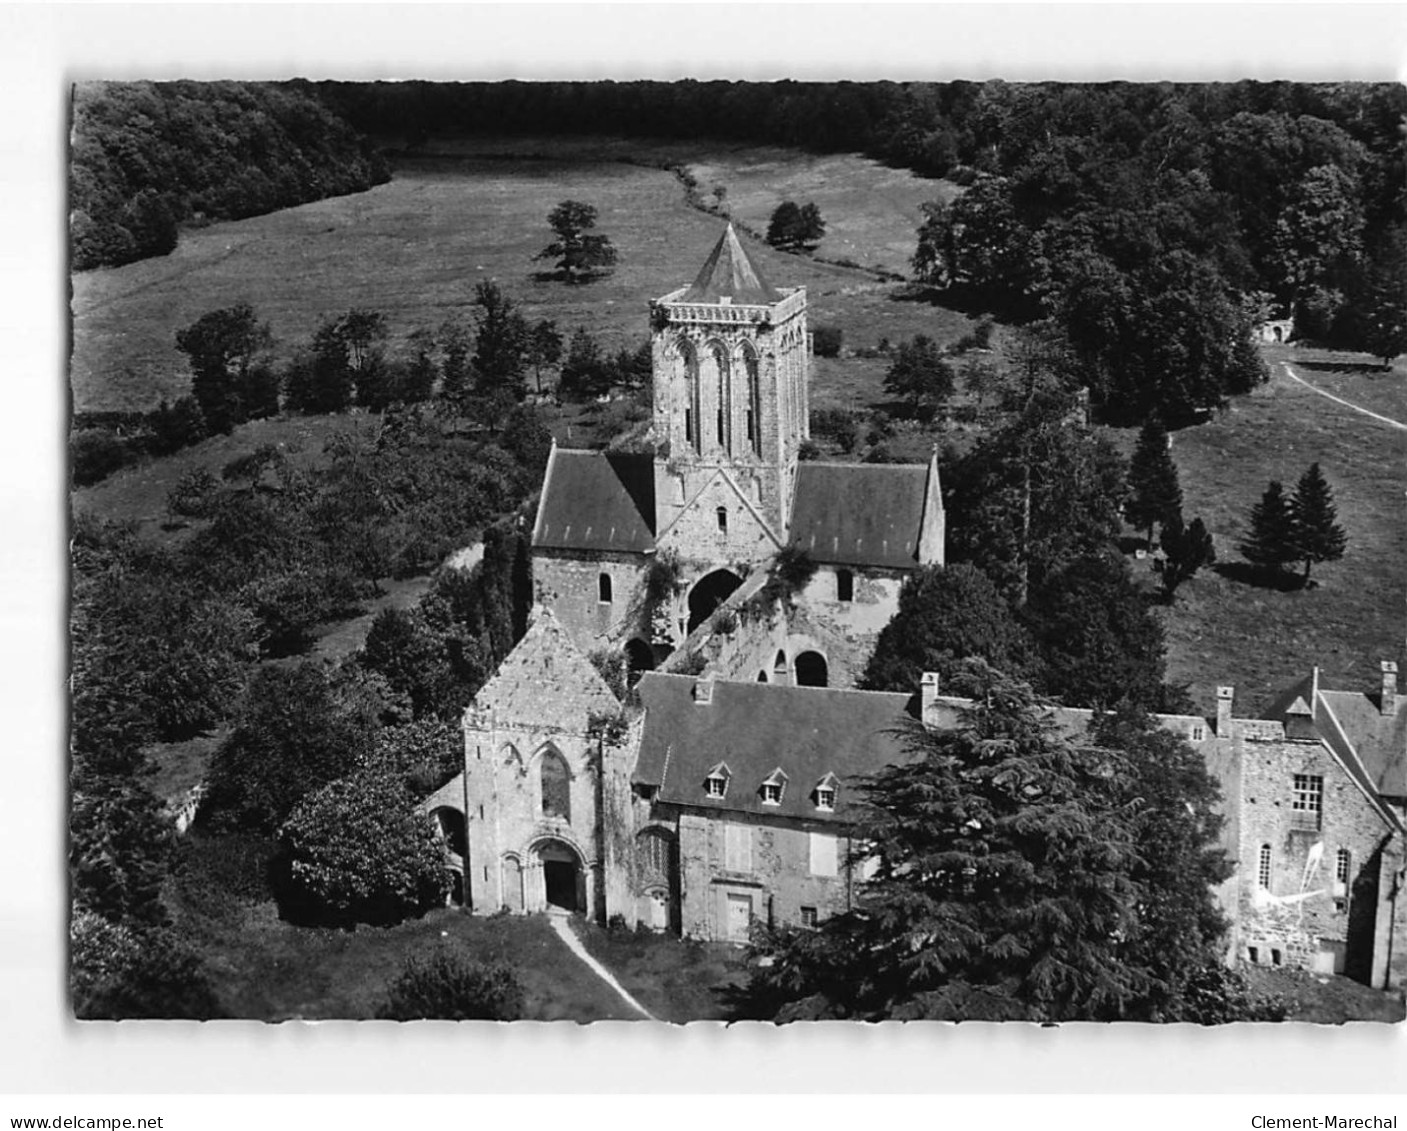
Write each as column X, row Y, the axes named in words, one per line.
column 823, row 854
column 1343, row 865
column 1199, row 732
column 809, row 918
column 737, row 848
column 1263, row 869
column 1307, row 807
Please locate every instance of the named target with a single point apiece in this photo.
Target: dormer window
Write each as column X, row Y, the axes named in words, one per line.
column 716, row 784
column 824, row 794
column 774, row 787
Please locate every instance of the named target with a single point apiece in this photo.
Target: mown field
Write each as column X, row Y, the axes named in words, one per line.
column 1225, row 627
column 415, row 248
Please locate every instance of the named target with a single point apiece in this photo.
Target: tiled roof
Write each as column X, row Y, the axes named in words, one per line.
column 597, row 501
column 867, row 514
column 755, row 728
column 729, row 272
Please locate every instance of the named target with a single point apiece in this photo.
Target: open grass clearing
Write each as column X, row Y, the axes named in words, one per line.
column 415, row 248
column 1225, row 630
column 1324, row 999
column 267, row 969
column 676, row 979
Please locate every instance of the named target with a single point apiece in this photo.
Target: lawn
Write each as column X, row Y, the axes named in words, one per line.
column 1324, row 999
column 1225, row 629
column 415, row 248
column 267, row 969
column 676, row 979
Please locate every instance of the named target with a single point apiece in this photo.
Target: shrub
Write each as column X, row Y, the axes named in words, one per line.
column 176, row 426
column 826, row 341
column 449, row 987
column 95, row 453
column 358, row 851
column 193, row 493
column 839, row 424
column 117, row 971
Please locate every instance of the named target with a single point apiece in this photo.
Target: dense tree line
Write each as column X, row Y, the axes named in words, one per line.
column 148, row 156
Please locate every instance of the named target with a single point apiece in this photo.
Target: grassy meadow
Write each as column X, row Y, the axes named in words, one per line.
column 415, row 248
column 1226, row 628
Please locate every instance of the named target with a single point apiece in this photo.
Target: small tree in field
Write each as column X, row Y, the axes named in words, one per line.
column 1318, row 536
column 579, row 252
column 1271, row 542
column 920, row 374
column 1154, row 493
column 793, row 227
column 1187, row 549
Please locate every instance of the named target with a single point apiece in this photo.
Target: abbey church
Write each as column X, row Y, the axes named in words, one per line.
column 721, row 796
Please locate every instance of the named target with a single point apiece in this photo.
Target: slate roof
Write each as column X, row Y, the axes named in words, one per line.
column 729, row 272
column 755, row 728
column 1381, row 740
column 597, row 501
column 865, row 514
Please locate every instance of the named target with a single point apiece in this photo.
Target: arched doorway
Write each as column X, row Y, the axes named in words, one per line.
column 449, row 824
column 639, row 659
column 811, row 670
column 710, row 592
column 562, row 880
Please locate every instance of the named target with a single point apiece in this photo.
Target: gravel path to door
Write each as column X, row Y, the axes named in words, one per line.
column 562, row 925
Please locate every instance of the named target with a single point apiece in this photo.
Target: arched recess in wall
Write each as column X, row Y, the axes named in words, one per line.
column 711, row 591
column 752, row 420
column 556, row 781
column 639, row 659
column 811, row 670
column 721, row 381
column 689, row 372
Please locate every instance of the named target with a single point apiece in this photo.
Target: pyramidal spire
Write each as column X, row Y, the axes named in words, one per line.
column 730, row 273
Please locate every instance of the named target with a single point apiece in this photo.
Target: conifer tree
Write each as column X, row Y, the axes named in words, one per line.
column 1188, row 549
column 1155, row 496
column 1271, row 541
column 1318, row 536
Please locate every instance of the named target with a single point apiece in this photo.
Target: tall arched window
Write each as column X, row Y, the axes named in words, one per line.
column 603, row 588
column 556, row 786
column 724, row 434
column 754, row 402
column 690, row 364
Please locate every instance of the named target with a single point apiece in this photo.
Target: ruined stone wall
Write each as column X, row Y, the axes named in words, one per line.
column 570, row 587
column 1310, row 932
column 778, row 882
column 506, row 821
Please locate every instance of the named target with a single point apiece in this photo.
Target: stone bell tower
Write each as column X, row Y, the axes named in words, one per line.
column 730, row 408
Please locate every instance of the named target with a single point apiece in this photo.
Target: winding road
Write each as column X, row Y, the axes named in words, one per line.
column 1347, row 404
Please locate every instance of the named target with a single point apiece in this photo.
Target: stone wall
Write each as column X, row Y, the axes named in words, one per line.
column 778, row 881
column 570, row 587
column 1310, row 932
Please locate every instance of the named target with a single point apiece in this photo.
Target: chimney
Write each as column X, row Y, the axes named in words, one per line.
column 1224, row 697
column 703, row 690
column 1389, row 704
column 927, row 693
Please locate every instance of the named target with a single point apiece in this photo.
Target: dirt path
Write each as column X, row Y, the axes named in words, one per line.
column 1347, row 404
column 562, row 925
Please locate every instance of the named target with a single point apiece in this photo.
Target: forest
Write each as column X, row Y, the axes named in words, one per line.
column 148, row 157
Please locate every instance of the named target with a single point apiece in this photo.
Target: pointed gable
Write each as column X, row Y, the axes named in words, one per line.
column 545, row 683
column 729, row 273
